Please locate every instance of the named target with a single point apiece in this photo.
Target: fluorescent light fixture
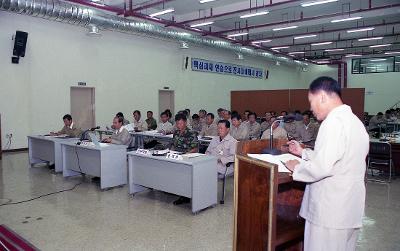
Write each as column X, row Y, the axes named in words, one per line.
column 377, row 60
column 332, row 50
column 255, row 14
column 323, row 62
column 307, row 4
column 392, row 52
column 352, row 55
column 369, row 38
column 284, row 58
column 285, row 28
column 305, row 36
column 297, row 52
column 201, row 24
column 345, row 19
column 278, row 48
column 261, row 41
column 238, row 34
column 380, row 45
column 206, row 1
column 322, row 43
column 360, row 30
column 163, row 12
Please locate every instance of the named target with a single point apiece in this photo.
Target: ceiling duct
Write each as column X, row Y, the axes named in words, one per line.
column 60, row 11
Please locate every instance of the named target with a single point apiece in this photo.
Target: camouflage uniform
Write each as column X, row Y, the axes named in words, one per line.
column 185, row 142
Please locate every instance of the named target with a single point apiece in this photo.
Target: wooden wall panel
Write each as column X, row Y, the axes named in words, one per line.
column 289, row 100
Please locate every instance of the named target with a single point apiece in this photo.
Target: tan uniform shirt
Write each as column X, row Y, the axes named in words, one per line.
column 265, row 125
column 278, row 133
column 254, row 130
column 209, row 130
column 71, row 131
column 224, row 150
column 308, row 133
column 240, row 133
column 166, row 127
column 121, row 137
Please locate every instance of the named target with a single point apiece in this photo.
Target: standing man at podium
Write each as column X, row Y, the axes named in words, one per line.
column 334, row 199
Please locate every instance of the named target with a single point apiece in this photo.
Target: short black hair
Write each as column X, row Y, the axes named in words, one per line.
column 236, row 116
column 220, row 110
column 252, row 113
column 119, row 114
column 195, row 116
column 67, row 116
column 379, row 113
column 327, row 84
column 120, row 119
column 247, row 111
column 202, row 110
column 188, row 110
column 211, row 115
column 150, row 112
column 168, row 112
column 180, row 116
column 164, row 113
column 225, row 122
column 137, row 111
column 297, row 111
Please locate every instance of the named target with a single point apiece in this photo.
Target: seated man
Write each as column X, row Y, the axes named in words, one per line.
column 246, row 116
column 227, row 115
column 239, row 131
column 224, row 148
column 184, row 141
column 121, row 136
column 254, row 126
column 203, row 117
column 125, row 121
column 195, row 124
column 265, row 125
column 138, row 124
column 165, row 126
column 69, row 128
column 220, row 113
column 277, row 131
column 150, row 121
column 375, row 121
column 309, row 131
column 210, row 129
column 293, row 126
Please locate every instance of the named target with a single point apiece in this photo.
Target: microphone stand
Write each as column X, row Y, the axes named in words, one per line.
column 271, row 149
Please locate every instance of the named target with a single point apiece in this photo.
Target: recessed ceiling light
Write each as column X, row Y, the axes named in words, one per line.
column 380, row 45
column 201, row 24
column 305, row 36
column 238, row 34
column 285, row 28
column 261, row 41
column 163, row 12
column 345, row 19
column 392, row 52
column 331, row 50
column 206, row 1
column 360, row 30
column 278, row 48
column 255, row 14
column 317, row 3
column 369, row 38
column 322, row 43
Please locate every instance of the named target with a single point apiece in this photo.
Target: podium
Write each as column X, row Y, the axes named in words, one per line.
column 266, row 203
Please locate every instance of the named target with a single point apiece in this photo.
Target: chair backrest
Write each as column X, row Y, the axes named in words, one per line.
column 380, row 150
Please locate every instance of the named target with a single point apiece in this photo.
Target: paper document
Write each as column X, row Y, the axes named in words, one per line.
column 277, row 159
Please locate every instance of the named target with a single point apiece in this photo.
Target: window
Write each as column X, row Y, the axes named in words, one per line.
column 375, row 65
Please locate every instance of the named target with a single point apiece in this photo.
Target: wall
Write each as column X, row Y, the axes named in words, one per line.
column 382, row 89
column 126, row 70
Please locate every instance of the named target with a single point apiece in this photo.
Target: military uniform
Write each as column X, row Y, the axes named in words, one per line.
column 151, row 124
column 254, row 130
column 185, row 142
column 209, row 130
column 240, row 133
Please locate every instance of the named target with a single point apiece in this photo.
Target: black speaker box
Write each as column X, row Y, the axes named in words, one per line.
column 20, row 43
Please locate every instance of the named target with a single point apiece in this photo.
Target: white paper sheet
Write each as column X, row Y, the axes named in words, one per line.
column 276, row 159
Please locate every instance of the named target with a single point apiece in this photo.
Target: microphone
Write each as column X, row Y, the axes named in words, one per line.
column 84, row 134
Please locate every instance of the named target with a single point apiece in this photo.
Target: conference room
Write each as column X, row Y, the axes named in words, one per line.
column 199, row 125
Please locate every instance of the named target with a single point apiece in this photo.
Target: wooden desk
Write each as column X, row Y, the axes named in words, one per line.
column 266, row 204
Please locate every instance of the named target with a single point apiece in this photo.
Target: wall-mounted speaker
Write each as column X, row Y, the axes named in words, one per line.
column 20, row 43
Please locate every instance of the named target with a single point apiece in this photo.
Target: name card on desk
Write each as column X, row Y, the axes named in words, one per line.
column 143, row 151
column 174, row 156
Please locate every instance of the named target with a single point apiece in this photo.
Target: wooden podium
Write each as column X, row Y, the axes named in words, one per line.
column 266, row 203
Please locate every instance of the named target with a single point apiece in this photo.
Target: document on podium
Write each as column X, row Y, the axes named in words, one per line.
column 277, row 159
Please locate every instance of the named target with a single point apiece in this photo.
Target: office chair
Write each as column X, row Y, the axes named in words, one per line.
column 222, row 201
column 380, row 158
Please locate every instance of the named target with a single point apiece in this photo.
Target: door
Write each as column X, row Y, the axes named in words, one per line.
column 166, row 100
column 83, row 107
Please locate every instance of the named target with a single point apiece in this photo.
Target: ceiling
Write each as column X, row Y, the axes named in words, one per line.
column 313, row 36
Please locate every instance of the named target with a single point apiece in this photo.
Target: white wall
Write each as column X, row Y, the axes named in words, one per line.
column 126, row 70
